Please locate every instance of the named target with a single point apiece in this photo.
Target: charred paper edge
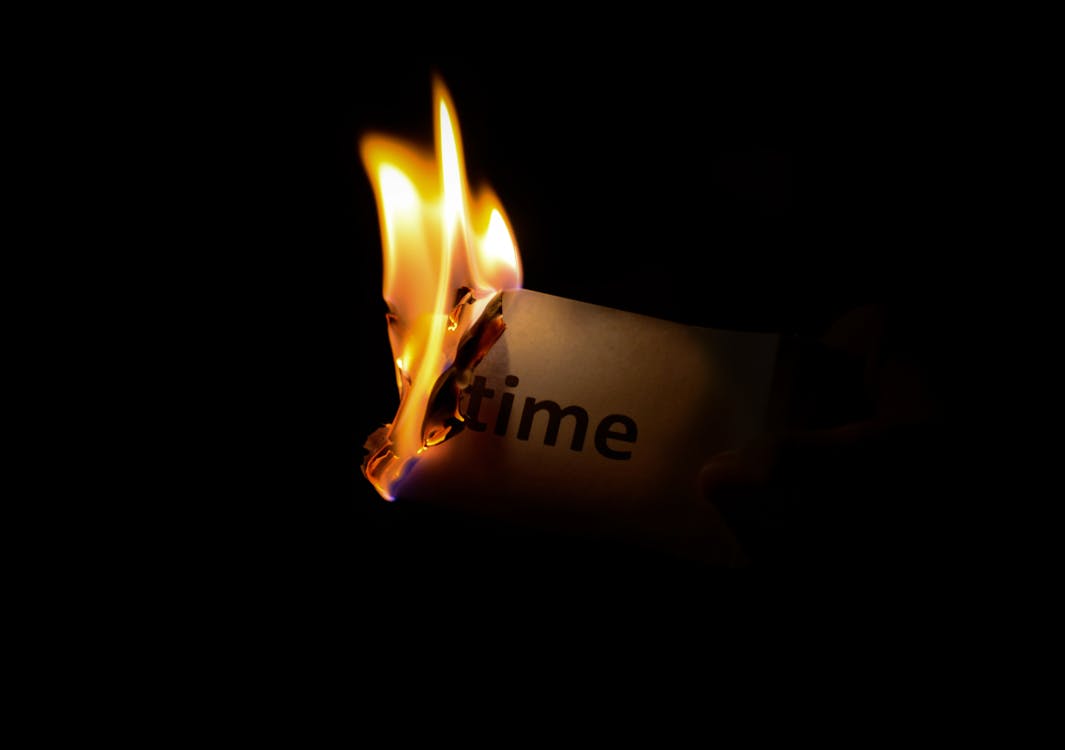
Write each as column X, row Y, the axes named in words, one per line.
column 443, row 419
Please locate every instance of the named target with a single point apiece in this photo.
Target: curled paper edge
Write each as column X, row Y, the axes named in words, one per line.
column 443, row 418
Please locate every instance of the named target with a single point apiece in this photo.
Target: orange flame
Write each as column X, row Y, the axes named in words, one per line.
column 439, row 242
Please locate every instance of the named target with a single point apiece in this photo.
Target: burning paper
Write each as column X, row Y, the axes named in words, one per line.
column 536, row 406
column 445, row 254
column 587, row 419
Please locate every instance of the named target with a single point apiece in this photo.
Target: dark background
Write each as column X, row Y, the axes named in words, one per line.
column 744, row 192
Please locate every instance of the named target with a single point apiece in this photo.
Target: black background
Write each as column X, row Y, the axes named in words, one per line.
column 740, row 191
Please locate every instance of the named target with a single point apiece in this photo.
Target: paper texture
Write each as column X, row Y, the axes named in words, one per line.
column 635, row 407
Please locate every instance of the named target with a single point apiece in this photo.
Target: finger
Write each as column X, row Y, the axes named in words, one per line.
column 721, row 470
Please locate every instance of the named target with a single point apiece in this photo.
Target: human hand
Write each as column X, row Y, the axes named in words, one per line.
column 844, row 494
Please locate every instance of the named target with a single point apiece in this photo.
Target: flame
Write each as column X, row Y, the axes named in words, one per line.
column 446, row 252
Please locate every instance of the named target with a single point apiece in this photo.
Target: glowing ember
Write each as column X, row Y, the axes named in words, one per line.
column 445, row 254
